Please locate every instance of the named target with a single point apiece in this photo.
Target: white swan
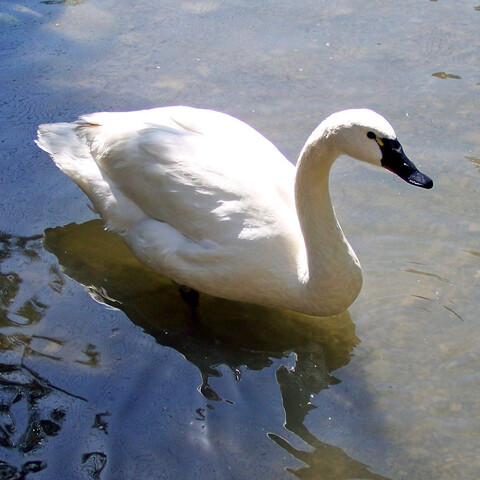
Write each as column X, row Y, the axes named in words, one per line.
column 206, row 200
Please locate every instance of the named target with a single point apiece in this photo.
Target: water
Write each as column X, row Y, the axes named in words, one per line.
column 104, row 373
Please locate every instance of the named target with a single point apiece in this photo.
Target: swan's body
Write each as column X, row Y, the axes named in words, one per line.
column 206, row 200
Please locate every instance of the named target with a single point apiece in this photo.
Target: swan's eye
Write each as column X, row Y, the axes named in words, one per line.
column 374, row 137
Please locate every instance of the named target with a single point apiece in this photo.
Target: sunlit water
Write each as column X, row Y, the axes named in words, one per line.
column 106, row 373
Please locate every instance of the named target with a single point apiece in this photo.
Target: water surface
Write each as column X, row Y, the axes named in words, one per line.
column 105, row 373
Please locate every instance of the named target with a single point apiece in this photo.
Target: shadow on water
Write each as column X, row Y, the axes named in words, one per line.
column 220, row 332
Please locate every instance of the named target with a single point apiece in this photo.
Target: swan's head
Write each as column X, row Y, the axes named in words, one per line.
column 365, row 135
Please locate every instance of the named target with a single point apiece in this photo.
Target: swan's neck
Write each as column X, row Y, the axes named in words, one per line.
column 332, row 270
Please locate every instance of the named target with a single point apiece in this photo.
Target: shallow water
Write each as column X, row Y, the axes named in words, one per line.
column 106, row 374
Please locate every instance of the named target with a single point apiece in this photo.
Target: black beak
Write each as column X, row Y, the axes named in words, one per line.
column 395, row 160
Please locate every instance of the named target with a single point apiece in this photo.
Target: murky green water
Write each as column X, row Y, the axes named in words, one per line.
column 104, row 374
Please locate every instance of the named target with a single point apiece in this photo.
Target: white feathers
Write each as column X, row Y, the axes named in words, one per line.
column 206, row 200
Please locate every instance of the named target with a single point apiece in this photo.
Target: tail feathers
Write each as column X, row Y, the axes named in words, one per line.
column 71, row 153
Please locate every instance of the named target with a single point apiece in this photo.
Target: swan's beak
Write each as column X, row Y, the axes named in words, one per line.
column 395, row 160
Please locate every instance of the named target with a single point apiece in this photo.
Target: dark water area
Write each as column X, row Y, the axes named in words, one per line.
column 107, row 373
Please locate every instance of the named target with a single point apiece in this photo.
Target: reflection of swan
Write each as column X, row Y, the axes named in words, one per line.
column 321, row 460
column 242, row 337
column 212, row 204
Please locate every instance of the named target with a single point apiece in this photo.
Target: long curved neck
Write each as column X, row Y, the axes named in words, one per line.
column 331, row 265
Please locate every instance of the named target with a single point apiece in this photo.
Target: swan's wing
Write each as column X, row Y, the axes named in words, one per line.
column 205, row 173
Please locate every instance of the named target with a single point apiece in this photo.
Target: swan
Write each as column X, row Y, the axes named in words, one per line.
column 206, row 200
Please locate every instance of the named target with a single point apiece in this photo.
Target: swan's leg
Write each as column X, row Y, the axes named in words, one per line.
column 189, row 295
